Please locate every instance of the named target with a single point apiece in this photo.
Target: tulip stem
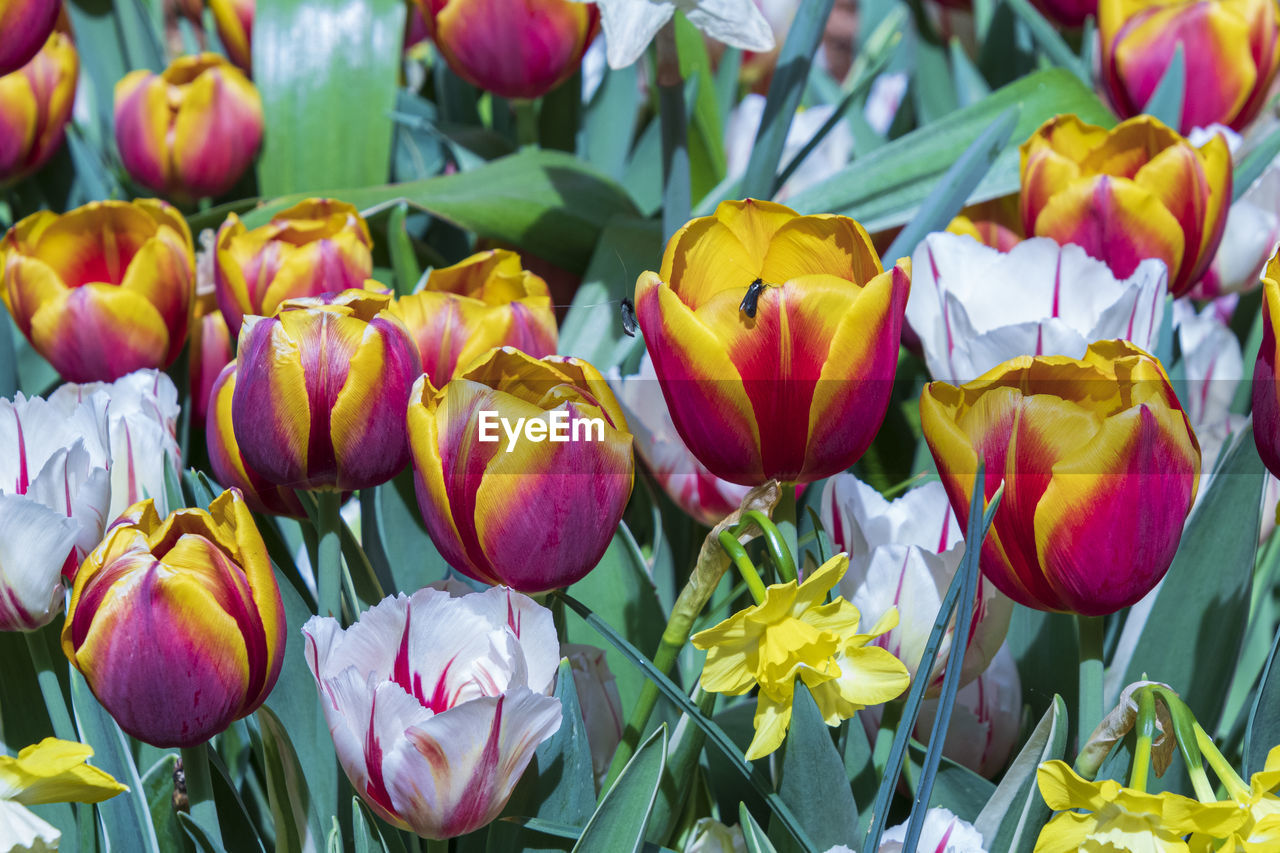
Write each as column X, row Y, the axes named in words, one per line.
column 1090, row 632
column 327, row 519
column 1146, row 730
column 784, row 515
column 745, row 567
column 437, row 845
column 201, row 807
column 54, row 700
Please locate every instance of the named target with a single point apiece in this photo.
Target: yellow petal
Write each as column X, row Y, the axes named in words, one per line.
column 54, row 771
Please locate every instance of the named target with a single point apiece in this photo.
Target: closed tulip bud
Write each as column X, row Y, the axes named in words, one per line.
column 35, row 105
column 436, row 704
column 1230, row 50
column 211, row 350
column 775, row 339
column 1266, row 381
column 600, row 703
column 1137, row 191
column 1068, row 13
column 467, row 309
column 227, row 462
column 523, row 468
column 103, row 290
column 177, row 625
column 321, row 392
column 317, row 246
column 512, row 48
column 26, row 25
column 1100, row 468
column 234, row 20
column 190, row 132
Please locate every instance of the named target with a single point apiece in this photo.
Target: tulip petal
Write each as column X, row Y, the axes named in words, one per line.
column 216, row 132
column 100, row 332
column 34, row 543
column 271, row 410
column 142, row 128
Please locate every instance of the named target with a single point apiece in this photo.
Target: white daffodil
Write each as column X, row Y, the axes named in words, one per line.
column 629, row 25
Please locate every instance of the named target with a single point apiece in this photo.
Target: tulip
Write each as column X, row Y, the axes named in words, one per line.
column 317, row 246
column 190, row 132
column 942, row 832
column 522, row 468
column 321, row 392
column 103, row 290
column 1230, row 51
column 467, row 309
column 1137, row 191
column 974, row 307
column 51, row 771
column 177, row 625
column 437, row 703
column 1266, row 383
column 26, row 25
column 512, row 48
column 1212, row 366
column 211, row 350
column 985, row 720
column 227, row 462
column 600, row 702
column 1099, row 465
column 35, row 105
column 234, row 21
column 1068, row 13
column 794, row 388
column 54, row 493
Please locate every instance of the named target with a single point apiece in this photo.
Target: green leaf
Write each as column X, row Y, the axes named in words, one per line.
column 707, row 162
column 1263, row 732
column 932, row 101
column 1048, row 38
column 397, row 530
column 886, row 187
column 1255, row 163
column 297, row 825
column 326, row 70
column 955, row 787
column 1209, row 608
column 752, row 834
column 371, row 836
column 157, row 787
column 609, row 126
column 1012, row 818
column 238, row 832
column 808, row 755
column 619, row 823
column 1165, row 102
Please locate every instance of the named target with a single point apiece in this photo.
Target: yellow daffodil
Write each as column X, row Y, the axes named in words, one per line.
column 1260, row 831
column 52, row 771
column 1119, row 818
column 793, row 633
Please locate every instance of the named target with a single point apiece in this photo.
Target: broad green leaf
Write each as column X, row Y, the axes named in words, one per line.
column 297, row 826
column 327, row 71
column 932, row 101
column 1255, row 163
column 371, row 835
column 707, row 161
column 886, row 187
column 238, row 832
column 619, row 823
column 1209, row 608
column 808, row 755
column 1166, row 101
column 157, row 786
column 609, row 125
column 1263, row 732
column 1044, row 646
column 397, row 530
column 752, row 834
column 971, row 86
column 1012, row 818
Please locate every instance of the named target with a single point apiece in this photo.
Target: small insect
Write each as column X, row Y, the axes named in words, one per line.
column 748, row 304
column 629, row 324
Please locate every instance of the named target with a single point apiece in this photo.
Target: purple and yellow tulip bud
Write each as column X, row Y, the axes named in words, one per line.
column 523, row 467
column 1137, row 191
column 35, row 105
column 102, row 290
column 1266, row 381
column 775, row 339
column 190, row 132
column 317, row 246
column 26, row 25
column 211, row 350
column 1231, row 51
column 234, row 20
column 467, row 309
column 321, row 392
column 227, row 462
column 177, row 625
column 512, row 48
column 1099, row 464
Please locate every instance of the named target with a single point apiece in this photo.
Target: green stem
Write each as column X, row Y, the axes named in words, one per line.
column 1236, row 787
column 745, row 567
column 1184, row 729
column 54, row 700
column 437, row 845
column 526, row 122
column 327, row 521
column 1146, row 729
column 784, row 515
column 201, row 807
column 776, row 542
column 1090, row 631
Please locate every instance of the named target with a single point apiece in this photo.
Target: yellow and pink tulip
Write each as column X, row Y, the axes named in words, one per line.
column 465, row 310
column 35, row 105
column 1100, row 467
column 321, row 392
column 177, row 624
column 190, row 132
column 795, row 387
column 1231, row 51
column 234, row 21
column 1137, row 191
column 26, row 25
column 102, row 290
column 1266, row 380
column 505, row 500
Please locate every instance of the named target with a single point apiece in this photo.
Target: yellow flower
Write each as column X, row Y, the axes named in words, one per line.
column 52, row 771
column 793, row 633
column 1260, row 831
column 1117, row 818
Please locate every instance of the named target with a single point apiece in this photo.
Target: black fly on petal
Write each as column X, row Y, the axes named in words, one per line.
column 748, row 304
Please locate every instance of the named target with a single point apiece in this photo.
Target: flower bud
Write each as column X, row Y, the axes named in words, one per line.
column 26, row 25
column 35, row 105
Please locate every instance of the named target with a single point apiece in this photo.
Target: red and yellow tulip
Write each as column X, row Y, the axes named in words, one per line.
column 1231, row 51
column 467, row 309
column 103, row 290
column 190, row 132
column 177, row 625
column 234, row 20
column 26, row 25
column 317, row 246
column 1137, row 191
column 1100, row 468
column 512, row 48
column 1266, row 381
column 1068, row 13
column 321, row 392
column 796, row 387
column 523, row 468
column 35, row 105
